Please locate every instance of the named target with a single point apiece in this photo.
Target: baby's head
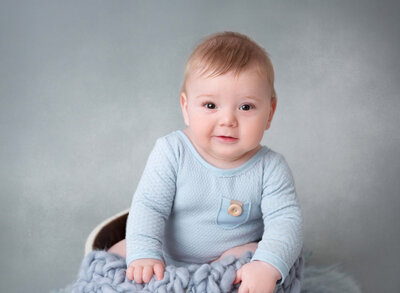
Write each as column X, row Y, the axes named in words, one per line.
column 228, row 98
column 225, row 52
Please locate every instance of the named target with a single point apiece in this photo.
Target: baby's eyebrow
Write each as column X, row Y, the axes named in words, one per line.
column 255, row 98
column 205, row 95
column 251, row 98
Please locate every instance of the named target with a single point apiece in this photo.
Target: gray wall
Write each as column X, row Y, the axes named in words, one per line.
column 87, row 86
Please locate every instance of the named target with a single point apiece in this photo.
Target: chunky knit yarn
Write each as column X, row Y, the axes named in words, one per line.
column 105, row 272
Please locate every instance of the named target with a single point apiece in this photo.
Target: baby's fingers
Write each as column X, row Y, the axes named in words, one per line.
column 159, row 271
column 147, row 273
column 137, row 274
column 129, row 272
column 238, row 277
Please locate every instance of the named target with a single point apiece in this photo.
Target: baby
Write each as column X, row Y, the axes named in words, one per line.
column 212, row 190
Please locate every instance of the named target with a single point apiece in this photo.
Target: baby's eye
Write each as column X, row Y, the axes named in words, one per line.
column 246, row 107
column 209, row 105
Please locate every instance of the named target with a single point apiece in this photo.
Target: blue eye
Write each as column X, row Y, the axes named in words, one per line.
column 209, row 105
column 246, row 107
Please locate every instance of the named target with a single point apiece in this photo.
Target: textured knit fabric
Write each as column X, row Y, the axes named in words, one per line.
column 179, row 211
column 104, row 272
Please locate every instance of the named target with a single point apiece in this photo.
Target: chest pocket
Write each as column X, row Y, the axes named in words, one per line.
column 232, row 213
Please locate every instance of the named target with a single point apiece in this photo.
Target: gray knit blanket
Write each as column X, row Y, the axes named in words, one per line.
column 104, row 272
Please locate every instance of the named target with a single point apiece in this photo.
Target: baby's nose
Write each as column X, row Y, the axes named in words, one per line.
column 228, row 119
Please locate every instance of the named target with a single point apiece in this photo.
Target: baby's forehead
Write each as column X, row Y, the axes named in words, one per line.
column 243, row 85
column 251, row 72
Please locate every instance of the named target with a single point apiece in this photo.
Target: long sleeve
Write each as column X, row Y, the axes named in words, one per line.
column 282, row 239
column 151, row 204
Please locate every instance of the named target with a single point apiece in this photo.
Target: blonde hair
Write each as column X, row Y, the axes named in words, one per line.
column 228, row 51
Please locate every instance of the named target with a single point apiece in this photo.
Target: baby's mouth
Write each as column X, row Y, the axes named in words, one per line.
column 228, row 139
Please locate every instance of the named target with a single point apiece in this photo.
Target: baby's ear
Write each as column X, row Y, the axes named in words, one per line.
column 184, row 106
column 271, row 112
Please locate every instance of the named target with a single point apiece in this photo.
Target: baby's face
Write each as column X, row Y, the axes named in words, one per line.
column 227, row 115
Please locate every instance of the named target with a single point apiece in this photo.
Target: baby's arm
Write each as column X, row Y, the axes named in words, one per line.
column 150, row 209
column 282, row 239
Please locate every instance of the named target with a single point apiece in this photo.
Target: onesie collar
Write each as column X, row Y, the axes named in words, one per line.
column 220, row 171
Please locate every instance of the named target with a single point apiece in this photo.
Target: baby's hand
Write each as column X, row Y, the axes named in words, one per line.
column 143, row 269
column 257, row 277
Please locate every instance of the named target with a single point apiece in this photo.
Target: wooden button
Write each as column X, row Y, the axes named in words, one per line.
column 235, row 209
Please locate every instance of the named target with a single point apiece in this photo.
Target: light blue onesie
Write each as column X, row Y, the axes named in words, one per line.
column 179, row 211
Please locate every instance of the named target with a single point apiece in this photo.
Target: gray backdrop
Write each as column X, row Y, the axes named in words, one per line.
column 86, row 87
